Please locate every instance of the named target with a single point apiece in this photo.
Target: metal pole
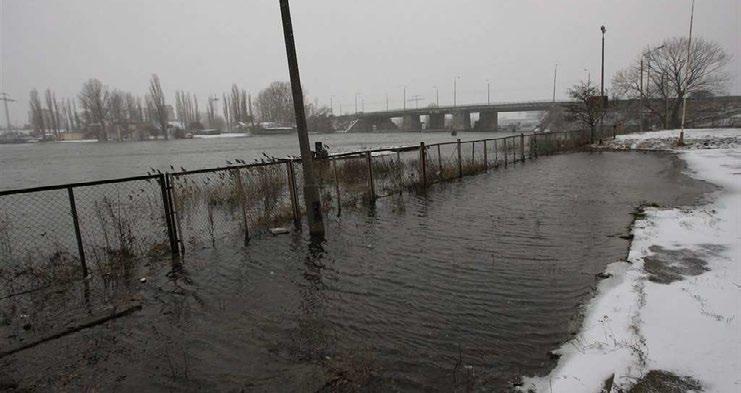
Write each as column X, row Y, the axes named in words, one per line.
column 423, row 163
column 687, row 74
column 455, row 92
column 486, row 158
column 292, row 189
column 439, row 161
column 405, row 98
column 602, row 87
column 522, row 147
column 78, row 236
column 241, row 194
column 643, row 98
column 555, row 73
column 460, row 164
column 371, row 185
column 167, row 203
column 488, row 93
column 337, row 187
column 311, row 193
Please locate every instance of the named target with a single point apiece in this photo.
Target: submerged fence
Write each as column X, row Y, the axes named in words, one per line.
column 60, row 233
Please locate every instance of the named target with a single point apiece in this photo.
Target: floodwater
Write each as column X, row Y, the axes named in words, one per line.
column 464, row 289
column 42, row 164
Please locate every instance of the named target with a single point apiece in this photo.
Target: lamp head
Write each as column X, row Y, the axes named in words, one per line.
column 603, row 29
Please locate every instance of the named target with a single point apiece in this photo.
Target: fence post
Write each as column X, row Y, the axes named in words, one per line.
column 522, row 147
column 175, row 217
column 241, row 195
column 496, row 154
column 167, row 203
column 78, row 236
column 439, row 162
column 337, row 187
column 371, row 186
column 505, row 151
column 292, row 190
column 486, row 158
column 460, row 163
column 423, row 163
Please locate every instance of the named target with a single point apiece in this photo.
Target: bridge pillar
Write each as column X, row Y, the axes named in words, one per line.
column 384, row 124
column 488, row 121
column 437, row 121
column 462, row 121
column 411, row 123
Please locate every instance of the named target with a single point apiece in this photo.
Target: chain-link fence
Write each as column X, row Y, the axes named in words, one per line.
column 49, row 234
column 56, row 234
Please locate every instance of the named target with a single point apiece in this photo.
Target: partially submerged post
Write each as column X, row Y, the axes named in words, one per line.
column 460, row 163
column 311, row 192
column 78, row 236
column 423, row 163
column 371, row 186
column 522, row 147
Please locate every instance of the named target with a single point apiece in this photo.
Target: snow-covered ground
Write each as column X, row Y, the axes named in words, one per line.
column 664, row 140
column 675, row 305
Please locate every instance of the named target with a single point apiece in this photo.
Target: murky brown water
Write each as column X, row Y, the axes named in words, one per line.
column 470, row 286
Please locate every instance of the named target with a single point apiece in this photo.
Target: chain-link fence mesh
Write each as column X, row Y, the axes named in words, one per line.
column 122, row 220
column 228, row 204
column 37, row 240
column 118, row 221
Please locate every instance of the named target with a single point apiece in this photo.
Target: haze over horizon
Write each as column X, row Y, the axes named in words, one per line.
column 344, row 46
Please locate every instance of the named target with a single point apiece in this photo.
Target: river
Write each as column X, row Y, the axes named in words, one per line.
column 40, row 164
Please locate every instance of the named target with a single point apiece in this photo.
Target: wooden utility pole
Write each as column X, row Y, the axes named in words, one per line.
column 311, row 192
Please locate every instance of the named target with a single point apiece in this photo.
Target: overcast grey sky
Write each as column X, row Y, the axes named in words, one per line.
column 345, row 46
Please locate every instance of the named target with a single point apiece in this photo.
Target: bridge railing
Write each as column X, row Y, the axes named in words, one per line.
column 96, row 230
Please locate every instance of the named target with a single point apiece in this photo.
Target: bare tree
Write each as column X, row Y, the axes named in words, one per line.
column 589, row 110
column 95, row 101
column 225, row 105
column 660, row 79
column 275, row 103
column 52, row 114
column 37, row 113
column 211, row 112
column 156, row 104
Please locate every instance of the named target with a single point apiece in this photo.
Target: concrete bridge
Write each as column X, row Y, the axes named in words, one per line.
column 488, row 114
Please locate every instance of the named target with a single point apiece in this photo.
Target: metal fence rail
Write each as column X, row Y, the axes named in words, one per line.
column 71, row 231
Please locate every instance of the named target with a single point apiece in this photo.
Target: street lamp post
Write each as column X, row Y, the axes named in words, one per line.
column 602, row 85
column 437, row 96
column 404, row 99
column 687, row 74
column 311, row 192
column 555, row 73
column 455, row 91
column 488, row 92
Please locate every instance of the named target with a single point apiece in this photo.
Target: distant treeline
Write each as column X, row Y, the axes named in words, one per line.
column 99, row 112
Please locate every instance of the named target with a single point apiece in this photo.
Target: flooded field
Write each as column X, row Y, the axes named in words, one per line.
column 463, row 289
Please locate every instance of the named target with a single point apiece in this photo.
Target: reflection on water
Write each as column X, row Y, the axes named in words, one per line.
column 467, row 287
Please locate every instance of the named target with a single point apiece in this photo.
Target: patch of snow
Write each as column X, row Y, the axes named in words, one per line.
column 690, row 327
column 80, row 141
column 224, row 135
